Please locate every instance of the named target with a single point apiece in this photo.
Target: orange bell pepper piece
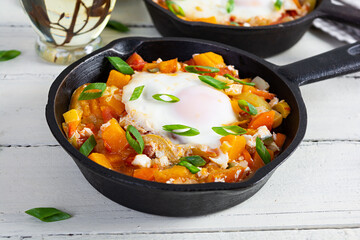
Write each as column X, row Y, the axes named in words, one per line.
column 233, row 145
column 117, row 79
column 280, row 139
column 114, row 137
column 101, row 159
column 263, row 119
column 258, row 92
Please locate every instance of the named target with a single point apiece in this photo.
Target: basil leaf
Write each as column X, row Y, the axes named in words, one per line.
column 262, row 151
column 171, row 98
column 92, row 95
column 189, row 166
column 138, row 143
column 88, row 146
column 195, row 160
column 278, row 4
column 252, row 110
column 213, row 82
column 230, row 6
column 137, row 93
column 48, row 214
column 181, row 130
column 8, row 55
column 238, row 81
column 175, row 8
column 229, row 130
column 193, row 69
column 118, row 26
column 121, row 65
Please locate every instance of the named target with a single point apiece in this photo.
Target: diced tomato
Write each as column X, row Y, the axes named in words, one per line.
column 136, row 62
column 108, row 113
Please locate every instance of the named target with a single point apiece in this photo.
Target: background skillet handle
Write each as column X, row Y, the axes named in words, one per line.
column 342, row 13
column 334, row 63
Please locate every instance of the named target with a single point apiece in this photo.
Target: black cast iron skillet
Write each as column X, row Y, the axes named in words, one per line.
column 263, row 41
column 196, row 199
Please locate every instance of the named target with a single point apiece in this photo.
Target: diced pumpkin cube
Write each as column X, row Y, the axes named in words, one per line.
column 117, row 79
column 207, row 20
column 263, row 119
column 111, row 101
column 114, row 137
column 280, row 139
column 230, row 175
column 170, row 66
column 233, row 145
column 72, row 116
column 101, row 159
column 145, row 173
column 174, row 173
column 209, row 59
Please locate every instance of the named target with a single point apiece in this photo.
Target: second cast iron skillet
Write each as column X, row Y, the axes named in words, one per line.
column 193, row 199
column 263, row 41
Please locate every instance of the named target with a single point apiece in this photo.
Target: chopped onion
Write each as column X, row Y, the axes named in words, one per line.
column 260, row 83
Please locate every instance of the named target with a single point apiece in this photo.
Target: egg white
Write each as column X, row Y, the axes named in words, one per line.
column 201, row 106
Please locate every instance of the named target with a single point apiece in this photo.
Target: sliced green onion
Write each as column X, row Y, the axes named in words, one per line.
column 88, row 146
column 229, row 130
column 213, row 82
column 262, row 151
column 252, row 110
column 195, row 160
column 121, row 65
column 181, row 130
column 234, row 24
column 278, row 4
column 48, row 214
column 92, row 95
column 193, row 69
column 238, row 81
column 8, row 55
column 175, row 8
column 189, row 166
column 138, row 143
column 230, row 6
column 166, row 98
column 118, row 26
column 137, row 93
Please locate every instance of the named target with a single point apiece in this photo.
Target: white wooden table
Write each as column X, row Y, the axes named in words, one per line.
column 314, row 195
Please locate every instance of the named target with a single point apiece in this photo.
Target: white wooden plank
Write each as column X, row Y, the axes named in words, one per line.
column 317, row 188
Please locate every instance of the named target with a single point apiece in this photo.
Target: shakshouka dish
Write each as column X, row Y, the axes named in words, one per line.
column 177, row 122
column 244, row 13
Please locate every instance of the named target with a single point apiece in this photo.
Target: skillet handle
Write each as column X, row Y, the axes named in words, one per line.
column 341, row 12
column 334, row 63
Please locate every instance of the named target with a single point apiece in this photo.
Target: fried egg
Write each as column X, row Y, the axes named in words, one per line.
column 243, row 11
column 201, row 106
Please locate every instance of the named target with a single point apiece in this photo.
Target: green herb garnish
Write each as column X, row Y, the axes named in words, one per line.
column 92, row 95
column 88, row 146
column 243, row 104
column 234, row 24
column 181, row 130
column 137, row 93
column 175, row 8
column 166, row 98
column 121, row 65
column 238, row 81
column 48, row 214
column 230, row 6
column 262, row 151
column 195, row 160
column 229, row 130
column 118, row 26
column 189, row 166
column 193, row 69
column 278, row 4
column 138, row 143
column 213, row 82
column 8, row 55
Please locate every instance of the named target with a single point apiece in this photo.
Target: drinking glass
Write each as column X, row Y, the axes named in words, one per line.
column 67, row 29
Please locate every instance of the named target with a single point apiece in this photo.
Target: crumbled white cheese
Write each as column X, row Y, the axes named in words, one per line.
column 222, row 160
column 162, row 161
column 274, row 101
column 218, row 179
column 262, row 132
column 104, row 126
column 231, row 67
column 272, row 146
column 237, row 174
column 141, row 160
column 250, row 140
column 234, row 89
column 159, row 60
column 246, row 24
column 203, row 173
column 170, row 181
